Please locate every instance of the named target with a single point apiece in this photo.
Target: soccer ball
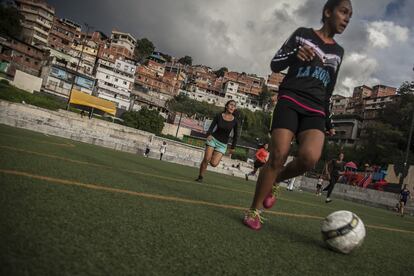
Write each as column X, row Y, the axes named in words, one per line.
column 343, row 231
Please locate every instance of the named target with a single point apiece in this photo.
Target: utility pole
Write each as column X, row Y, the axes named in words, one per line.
column 179, row 123
column 77, row 66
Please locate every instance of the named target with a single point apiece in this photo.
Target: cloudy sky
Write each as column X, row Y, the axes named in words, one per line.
column 243, row 35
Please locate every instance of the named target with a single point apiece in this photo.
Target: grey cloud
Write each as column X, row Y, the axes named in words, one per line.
column 243, row 35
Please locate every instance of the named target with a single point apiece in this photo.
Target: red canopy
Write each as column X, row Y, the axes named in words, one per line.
column 351, row 165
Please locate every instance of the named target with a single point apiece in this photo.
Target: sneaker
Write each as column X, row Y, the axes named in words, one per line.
column 247, row 177
column 199, row 179
column 271, row 198
column 328, row 200
column 253, row 219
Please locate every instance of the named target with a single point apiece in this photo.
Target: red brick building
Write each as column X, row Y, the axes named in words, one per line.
column 16, row 54
column 274, row 80
column 248, row 84
column 383, row 91
column 63, row 33
column 149, row 78
column 119, row 46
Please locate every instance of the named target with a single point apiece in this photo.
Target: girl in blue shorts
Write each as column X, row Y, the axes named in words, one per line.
column 218, row 136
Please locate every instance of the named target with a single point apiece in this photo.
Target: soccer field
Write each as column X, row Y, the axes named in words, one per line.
column 69, row 208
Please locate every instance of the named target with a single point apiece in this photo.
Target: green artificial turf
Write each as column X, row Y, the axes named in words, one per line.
column 104, row 212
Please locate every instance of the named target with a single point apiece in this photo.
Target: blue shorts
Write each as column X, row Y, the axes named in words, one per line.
column 217, row 145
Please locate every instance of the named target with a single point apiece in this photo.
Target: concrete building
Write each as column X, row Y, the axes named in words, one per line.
column 339, row 104
column 203, row 96
column 71, row 60
column 211, row 96
column 348, row 129
column 57, row 80
column 373, row 106
column 356, row 103
column 87, row 51
column 114, row 81
column 63, row 34
column 122, row 45
column 19, row 55
column 37, row 23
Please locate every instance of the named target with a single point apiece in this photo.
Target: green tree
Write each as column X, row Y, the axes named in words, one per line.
column 145, row 119
column 167, row 57
column 10, row 21
column 220, row 72
column 254, row 125
column 186, row 60
column 380, row 144
column 143, row 48
column 264, row 96
column 201, row 110
column 399, row 113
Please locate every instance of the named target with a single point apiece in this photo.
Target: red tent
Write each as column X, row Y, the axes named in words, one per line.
column 351, row 165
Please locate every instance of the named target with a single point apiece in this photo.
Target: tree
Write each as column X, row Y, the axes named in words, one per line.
column 399, row 114
column 254, row 125
column 143, row 48
column 183, row 104
column 220, row 72
column 145, row 119
column 10, row 21
column 264, row 96
column 167, row 57
column 186, row 60
column 380, row 144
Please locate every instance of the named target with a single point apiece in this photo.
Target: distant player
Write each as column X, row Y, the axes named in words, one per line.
column 404, row 196
column 261, row 157
column 319, row 186
column 163, row 149
column 335, row 169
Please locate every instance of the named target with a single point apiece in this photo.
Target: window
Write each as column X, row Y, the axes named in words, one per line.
column 116, row 80
column 107, row 77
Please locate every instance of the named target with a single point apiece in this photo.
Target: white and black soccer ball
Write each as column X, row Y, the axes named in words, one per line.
column 343, row 231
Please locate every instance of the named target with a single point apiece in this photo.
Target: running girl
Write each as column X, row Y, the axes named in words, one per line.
column 335, row 169
column 261, row 157
column 218, row 136
column 302, row 111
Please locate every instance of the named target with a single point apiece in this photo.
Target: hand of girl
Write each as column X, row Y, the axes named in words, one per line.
column 305, row 53
column 331, row 132
column 209, row 138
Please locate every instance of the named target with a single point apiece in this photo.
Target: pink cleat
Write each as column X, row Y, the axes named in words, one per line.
column 271, row 198
column 253, row 219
